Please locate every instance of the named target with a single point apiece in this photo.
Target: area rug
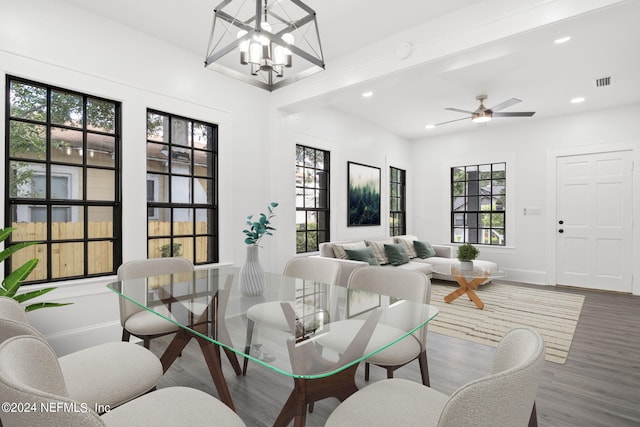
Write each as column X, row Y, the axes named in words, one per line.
column 554, row 314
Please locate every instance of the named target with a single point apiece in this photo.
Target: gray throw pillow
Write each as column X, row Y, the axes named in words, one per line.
column 364, row 254
column 396, row 254
column 424, row 249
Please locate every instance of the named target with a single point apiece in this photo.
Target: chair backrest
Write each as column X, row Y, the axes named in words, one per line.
column 11, row 328
column 13, row 320
column 148, row 267
column 506, row 397
column 394, row 282
column 11, row 309
column 316, row 269
column 30, row 374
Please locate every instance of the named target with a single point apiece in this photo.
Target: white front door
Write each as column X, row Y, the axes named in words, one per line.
column 593, row 221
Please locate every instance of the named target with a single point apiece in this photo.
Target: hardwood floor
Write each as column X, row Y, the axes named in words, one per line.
column 599, row 386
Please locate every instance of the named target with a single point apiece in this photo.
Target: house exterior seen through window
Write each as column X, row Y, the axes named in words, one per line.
column 478, row 203
column 62, row 180
column 182, row 176
column 312, row 198
column 397, row 202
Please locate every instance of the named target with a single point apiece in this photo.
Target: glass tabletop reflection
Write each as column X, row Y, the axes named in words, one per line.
column 294, row 316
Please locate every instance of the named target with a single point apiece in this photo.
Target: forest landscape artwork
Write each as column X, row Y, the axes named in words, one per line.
column 363, row 194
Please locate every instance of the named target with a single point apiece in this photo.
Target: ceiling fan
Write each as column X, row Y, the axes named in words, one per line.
column 483, row 114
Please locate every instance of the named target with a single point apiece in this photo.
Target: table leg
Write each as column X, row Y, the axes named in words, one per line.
column 467, row 287
column 340, row 385
column 211, row 357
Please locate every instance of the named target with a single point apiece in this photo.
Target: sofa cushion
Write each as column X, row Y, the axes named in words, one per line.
column 396, row 254
column 339, row 248
column 378, row 249
column 365, row 254
column 424, row 249
column 407, row 242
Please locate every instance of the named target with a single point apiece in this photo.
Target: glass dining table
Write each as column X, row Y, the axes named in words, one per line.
column 330, row 329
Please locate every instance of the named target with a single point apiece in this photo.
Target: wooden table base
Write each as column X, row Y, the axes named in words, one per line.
column 467, row 287
column 307, row 391
column 211, row 353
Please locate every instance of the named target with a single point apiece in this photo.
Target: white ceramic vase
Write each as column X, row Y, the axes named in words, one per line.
column 252, row 274
column 466, row 265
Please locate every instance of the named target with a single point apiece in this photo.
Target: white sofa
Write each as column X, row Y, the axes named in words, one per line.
column 444, row 255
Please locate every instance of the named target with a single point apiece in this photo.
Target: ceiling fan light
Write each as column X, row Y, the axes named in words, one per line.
column 482, row 117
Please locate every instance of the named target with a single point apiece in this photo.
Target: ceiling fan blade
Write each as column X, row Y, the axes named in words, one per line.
column 451, row 121
column 459, row 110
column 505, row 104
column 515, row 114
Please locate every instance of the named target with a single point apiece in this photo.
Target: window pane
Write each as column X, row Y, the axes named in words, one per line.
column 70, row 143
column 101, row 115
column 181, row 190
column 160, row 225
column 157, row 127
column 101, row 150
column 66, row 109
column 203, row 190
column 67, row 259
column 67, row 222
column 100, row 221
column 180, row 132
column 182, row 222
column 157, row 157
column 100, row 184
column 203, row 162
column 99, row 257
column 27, row 101
column 203, row 247
column 183, row 247
column 27, row 140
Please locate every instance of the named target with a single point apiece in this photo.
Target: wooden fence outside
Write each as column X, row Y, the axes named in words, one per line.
column 67, row 258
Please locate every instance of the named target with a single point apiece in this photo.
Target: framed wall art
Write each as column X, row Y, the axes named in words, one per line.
column 363, row 195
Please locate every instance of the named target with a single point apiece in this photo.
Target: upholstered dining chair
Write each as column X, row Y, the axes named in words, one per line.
column 137, row 321
column 506, row 397
column 30, row 374
column 403, row 285
column 105, row 375
column 306, row 268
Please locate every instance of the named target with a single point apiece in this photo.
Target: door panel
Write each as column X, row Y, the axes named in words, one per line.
column 594, row 228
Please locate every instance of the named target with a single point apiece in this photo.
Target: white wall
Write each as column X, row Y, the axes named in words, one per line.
column 528, row 146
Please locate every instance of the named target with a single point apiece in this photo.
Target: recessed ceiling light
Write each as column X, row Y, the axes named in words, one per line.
column 577, row 100
column 367, row 94
column 562, row 40
column 430, row 126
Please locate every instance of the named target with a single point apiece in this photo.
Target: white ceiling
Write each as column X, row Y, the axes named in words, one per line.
column 528, row 66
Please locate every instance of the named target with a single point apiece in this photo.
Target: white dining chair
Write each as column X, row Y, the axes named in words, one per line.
column 270, row 313
column 506, row 397
column 31, row 375
column 134, row 319
column 402, row 285
column 103, row 375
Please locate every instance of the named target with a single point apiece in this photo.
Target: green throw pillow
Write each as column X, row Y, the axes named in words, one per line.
column 396, row 254
column 365, row 254
column 424, row 249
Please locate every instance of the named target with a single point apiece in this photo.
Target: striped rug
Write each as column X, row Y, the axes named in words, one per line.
column 554, row 314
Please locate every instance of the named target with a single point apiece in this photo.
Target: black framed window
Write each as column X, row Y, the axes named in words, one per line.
column 397, row 201
column 182, row 179
column 478, row 203
column 312, row 198
column 62, row 180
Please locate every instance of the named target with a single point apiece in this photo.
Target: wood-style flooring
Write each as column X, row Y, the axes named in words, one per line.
column 599, row 386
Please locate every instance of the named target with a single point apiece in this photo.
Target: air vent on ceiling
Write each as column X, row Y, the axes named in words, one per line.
column 604, row 81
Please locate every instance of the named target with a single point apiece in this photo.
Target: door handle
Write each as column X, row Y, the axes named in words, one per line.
column 561, row 231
